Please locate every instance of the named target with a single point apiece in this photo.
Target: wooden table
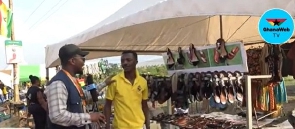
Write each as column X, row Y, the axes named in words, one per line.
column 15, row 107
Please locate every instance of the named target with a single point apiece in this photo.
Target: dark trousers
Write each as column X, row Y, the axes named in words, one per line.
column 5, row 96
column 39, row 116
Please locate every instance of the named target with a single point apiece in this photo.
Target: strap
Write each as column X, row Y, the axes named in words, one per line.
column 77, row 85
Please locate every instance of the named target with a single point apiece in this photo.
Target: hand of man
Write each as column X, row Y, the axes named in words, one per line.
column 97, row 117
column 109, row 80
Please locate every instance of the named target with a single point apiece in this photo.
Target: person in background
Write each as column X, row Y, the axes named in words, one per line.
column 1, row 96
column 5, row 93
column 37, row 105
column 129, row 96
column 10, row 93
column 3, row 90
column 81, row 80
column 65, row 97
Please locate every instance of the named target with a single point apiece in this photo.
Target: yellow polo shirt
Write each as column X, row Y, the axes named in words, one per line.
column 127, row 100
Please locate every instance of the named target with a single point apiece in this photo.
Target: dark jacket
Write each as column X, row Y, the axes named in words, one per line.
column 74, row 102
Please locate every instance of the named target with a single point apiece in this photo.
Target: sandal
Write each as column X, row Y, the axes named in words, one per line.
column 170, row 59
column 189, row 86
column 216, row 56
column 205, row 85
column 193, row 58
column 239, row 86
column 233, row 53
column 197, row 88
column 208, row 90
column 222, row 50
column 230, row 89
column 181, row 58
column 203, row 56
column 217, row 88
column 223, row 94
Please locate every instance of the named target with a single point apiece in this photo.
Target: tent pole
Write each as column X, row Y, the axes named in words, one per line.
column 47, row 76
column 15, row 65
column 221, row 27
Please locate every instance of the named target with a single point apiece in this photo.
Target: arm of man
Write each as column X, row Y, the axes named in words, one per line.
column 107, row 82
column 42, row 101
column 110, row 95
column 100, row 86
column 145, row 107
column 57, row 97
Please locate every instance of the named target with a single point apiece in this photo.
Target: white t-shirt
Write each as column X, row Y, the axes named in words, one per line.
column 1, row 93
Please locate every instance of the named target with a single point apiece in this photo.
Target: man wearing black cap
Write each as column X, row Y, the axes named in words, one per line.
column 66, row 103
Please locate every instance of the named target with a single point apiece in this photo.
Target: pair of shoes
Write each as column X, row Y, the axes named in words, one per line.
column 221, row 53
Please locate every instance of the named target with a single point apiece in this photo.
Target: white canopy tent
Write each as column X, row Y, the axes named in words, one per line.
column 6, row 79
column 150, row 26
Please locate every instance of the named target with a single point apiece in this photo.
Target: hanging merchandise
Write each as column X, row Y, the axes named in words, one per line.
column 181, row 58
column 212, row 76
column 220, row 88
column 193, row 57
column 170, row 59
column 220, row 53
column 274, row 61
column 253, row 60
column 207, row 58
column 255, row 66
column 271, row 94
column 223, row 87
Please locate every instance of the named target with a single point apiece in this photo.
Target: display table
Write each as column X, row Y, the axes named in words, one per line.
column 15, row 106
column 212, row 120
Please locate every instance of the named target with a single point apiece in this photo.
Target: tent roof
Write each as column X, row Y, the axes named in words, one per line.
column 6, row 71
column 149, row 26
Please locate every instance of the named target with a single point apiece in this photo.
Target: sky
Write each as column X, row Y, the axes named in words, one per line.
column 54, row 21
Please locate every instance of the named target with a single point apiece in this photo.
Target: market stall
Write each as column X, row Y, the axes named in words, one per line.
column 150, row 26
column 6, row 79
column 200, row 23
column 201, row 76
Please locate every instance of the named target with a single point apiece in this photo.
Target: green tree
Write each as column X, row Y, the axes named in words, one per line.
column 112, row 69
column 153, row 70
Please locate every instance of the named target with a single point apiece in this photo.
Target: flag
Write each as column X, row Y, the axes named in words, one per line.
column 5, row 20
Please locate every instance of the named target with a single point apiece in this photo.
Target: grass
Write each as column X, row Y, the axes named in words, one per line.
column 289, row 81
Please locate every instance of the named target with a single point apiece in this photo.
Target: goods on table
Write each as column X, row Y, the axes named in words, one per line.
column 198, row 122
column 3, row 117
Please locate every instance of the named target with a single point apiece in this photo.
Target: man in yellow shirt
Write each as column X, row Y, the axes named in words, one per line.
column 129, row 95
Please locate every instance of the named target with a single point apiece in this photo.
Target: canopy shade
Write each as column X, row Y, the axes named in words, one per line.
column 26, row 70
column 157, row 24
column 6, row 79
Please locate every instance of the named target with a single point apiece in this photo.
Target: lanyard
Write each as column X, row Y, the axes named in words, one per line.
column 77, row 85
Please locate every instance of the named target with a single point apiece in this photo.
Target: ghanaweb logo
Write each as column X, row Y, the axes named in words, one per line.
column 276, row 22
column 276, row 26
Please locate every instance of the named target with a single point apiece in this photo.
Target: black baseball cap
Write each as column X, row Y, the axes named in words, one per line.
column 68, row 51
